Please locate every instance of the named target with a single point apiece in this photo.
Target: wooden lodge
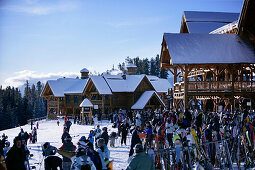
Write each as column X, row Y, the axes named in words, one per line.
column 107, row 93
column 216, row 70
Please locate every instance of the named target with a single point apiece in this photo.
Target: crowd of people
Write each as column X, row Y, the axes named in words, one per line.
column 159, row 140
column 189, row 139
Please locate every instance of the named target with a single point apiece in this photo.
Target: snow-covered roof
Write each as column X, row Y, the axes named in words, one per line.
column 84, row 70
column 203, row 27
column 208, row 48
column 101, row 84
column 118, row 84
column 86, row 103
column 63, row 86
column 130, row 65
column 225, row 28
column 159, row 84
column 144, row 99
column 205, row 22
column 199, row 16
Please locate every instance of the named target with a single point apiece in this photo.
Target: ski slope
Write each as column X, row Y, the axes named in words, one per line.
column 49, row 131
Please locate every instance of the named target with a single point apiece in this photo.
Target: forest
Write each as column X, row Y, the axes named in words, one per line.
column 16, row 110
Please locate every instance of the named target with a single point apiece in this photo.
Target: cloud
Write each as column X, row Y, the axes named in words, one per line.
column 34, row 8
column 33, row 77
column 135, row 22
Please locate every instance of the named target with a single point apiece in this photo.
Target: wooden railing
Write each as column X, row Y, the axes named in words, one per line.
column 215, row 86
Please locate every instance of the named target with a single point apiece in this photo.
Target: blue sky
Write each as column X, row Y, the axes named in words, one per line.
column 46, row 39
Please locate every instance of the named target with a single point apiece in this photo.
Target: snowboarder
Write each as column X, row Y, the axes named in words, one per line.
column 141, row 160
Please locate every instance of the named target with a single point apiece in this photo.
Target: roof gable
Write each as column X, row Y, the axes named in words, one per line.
column 205, row 22
column 145, row 98
column 100, row 84
column 119, row 84
column 63, row 86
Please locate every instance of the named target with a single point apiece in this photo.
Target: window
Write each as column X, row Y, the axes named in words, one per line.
column 107, row 97
column 76, row 99
column 67, row 99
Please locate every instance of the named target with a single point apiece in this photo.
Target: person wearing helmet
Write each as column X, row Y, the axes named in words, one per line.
column 141, row 160
column 16, row 157
column 67, row 146
column 104, row 152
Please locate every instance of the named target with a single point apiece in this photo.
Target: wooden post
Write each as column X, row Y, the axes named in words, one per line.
column 82, row 115
column 185, row 97
column 103, row 105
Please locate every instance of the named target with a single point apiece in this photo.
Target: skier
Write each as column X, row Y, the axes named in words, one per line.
column 91, row 136
column 93, row 155
column 112, row 137
column 37, row 125
column 68, row 125
column 105, row 135
column 16, row 158
column 67, row 146
column 34, row 134
column 104, row 153
column 97, row 133
column 124, row 131
column 134, row 140
column 141, row 160
column 58, row 122
column 169, row 131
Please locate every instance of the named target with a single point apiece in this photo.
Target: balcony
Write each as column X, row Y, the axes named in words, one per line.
column 212, row 86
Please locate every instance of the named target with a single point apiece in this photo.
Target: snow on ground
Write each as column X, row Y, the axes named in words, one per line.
column 49, row 132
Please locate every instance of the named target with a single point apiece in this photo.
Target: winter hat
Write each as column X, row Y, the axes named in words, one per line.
column 138, row 148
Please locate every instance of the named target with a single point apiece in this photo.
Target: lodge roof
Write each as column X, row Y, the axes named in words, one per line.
column 101, row 85
column 63, row 86
column 144, row 99
column 205, row 22
column 208, row 48
column 86, row 103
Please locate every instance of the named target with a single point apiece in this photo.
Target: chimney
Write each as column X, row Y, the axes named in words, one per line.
column 131, row 69
column 84, row 73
